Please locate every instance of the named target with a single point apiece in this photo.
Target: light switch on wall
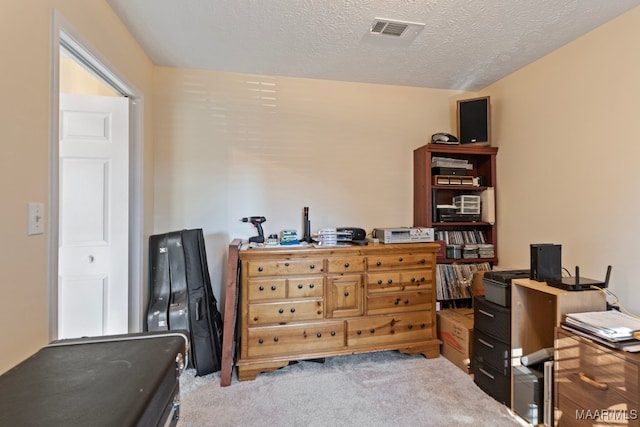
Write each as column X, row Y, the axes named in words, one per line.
column 36, row 218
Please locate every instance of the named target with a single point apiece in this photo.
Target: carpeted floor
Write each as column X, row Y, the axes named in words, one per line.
column 374, row 389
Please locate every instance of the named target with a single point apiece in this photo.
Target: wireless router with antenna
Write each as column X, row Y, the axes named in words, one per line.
column 578, row 283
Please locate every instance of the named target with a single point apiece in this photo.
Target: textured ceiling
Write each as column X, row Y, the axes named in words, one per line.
column 464, row 45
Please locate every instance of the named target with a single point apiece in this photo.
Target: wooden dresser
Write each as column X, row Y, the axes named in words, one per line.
column 594, row 384
column 313, row 302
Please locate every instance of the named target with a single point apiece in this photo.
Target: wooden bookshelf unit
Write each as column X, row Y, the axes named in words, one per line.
column 430, row 189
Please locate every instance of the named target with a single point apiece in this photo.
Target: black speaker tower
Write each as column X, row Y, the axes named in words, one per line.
column 474, row 121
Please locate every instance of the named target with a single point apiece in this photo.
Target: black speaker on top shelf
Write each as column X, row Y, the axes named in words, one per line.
column 546, row 262
column 474, row 121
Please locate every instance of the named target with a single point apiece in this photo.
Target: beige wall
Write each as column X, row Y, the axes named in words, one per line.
column 233, row 145
column 25, row 38
column 76, row 79
column 567, row 127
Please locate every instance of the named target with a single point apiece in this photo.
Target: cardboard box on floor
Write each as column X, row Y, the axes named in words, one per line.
column 477, row 283
column 455, row 330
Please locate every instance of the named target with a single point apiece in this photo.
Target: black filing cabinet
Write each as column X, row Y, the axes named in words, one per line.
column 491, row 349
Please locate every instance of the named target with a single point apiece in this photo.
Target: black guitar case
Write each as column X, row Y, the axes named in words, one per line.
column 160, row 292
column 181, row 297
column 205, row 321
column 178, row 311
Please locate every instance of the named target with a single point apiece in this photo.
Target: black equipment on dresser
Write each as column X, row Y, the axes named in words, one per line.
column 546, row 262
column 578, row 283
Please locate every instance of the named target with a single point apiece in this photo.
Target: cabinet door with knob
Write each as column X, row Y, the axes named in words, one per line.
column 344, row 295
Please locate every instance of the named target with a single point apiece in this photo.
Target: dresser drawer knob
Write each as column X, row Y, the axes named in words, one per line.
column 422, row 279
column 397, row 301
column 413, row 279
column 423, row 261
column 593, row 383
column 293, row 310
column 346, row 294
column 410, row 326
column 379, row 282
column 281, row 311
column 273, row 288
column 261, row 288
column 260, row 341
column 299, row 285
column 378, row 263
column 400, row 259
column 333, row 333
column 260, row 268
column 422, row 325
column 276, row 339
column 346, row 265
column 373, row 331
column 359, row 332
column 286, row 264
column 406, row 301
column 311, row 286
column 319, row 335
column 390, row 281
column 312, row 266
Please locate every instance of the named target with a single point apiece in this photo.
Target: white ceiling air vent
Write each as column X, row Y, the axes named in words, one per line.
column 395, row 28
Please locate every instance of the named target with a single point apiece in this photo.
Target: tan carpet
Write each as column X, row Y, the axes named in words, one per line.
column 374, row 389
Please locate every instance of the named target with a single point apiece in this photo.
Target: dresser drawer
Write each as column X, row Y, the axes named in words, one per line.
column 266, row 289
column 390, row 262
column 569, row 413
column 492, row 319
column 491, row 351
column 346, row 265
column 385, row 303
column 384, row 281
column 492, row 381
column 382, row 330
column 295, row 339
column 595, row 377
column 284, row 267
column 389, row 281
column 286, row 311
column 281, row 288
column 305, row 287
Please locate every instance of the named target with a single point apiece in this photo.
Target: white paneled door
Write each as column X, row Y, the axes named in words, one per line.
column 93, row 291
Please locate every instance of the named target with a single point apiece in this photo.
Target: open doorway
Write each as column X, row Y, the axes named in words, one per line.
column 95, row 213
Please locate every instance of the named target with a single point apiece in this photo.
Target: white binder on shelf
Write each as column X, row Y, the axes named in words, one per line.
column 488, row 205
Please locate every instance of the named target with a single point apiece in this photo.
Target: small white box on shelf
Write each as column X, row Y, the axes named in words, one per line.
column 467, row 204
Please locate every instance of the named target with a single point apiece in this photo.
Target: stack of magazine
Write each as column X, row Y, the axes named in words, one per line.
column 611, row 328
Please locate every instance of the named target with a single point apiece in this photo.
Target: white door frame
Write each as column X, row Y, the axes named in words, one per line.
column 61, row 30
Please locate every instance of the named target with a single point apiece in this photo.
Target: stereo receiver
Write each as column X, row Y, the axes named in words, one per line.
column 404, row 235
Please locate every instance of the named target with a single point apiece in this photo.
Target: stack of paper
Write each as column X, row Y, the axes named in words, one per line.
column 612, row 328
